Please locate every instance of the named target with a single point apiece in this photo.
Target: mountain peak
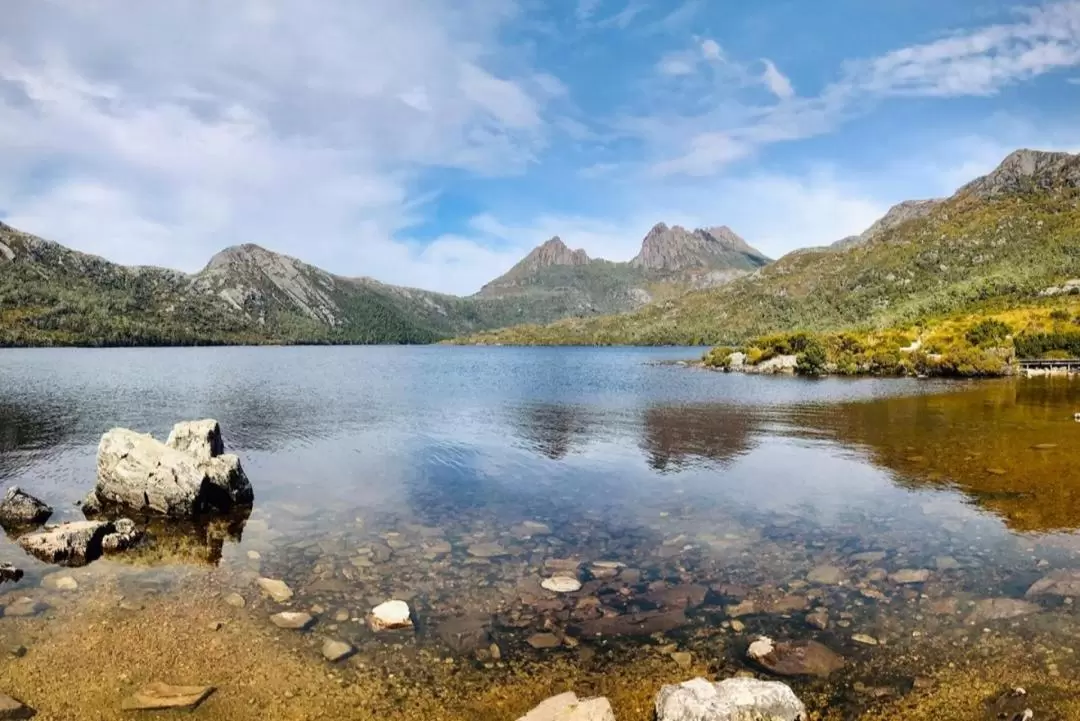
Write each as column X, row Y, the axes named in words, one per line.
column 1027, row 170
column 549, row 253
column 675, row 248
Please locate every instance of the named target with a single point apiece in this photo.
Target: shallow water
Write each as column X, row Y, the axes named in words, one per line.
column 698, row 508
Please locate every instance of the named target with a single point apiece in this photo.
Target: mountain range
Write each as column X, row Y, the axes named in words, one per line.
column 1007, row 239
column 52, row 295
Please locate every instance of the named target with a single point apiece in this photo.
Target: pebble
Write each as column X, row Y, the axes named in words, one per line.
column 334, row 651
column 910, row 575
column 275, row 589
column 825, row 575
column 561, row 584
column 161, row 696
column 544, row 641
column 253, row 555
column 864, row 639
column 682, row 659
column 235, row 600
column 292, row 620
column 818, row 619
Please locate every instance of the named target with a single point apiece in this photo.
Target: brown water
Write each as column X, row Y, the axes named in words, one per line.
column 698, row 510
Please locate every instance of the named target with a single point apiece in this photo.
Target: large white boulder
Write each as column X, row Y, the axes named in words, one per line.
column 181, row 478
column 735, row 699
column 568, row 707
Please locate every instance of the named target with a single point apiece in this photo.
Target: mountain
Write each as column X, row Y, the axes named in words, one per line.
column 670, row 262
column 1003, row 240
column 52, row 295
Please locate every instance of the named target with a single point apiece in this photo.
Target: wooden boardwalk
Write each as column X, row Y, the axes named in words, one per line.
column 1041, row 367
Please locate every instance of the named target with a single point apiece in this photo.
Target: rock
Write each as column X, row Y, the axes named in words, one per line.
column 13, row 709
column 18, row 651
column 686, row 595
column 18, row 508
column 996, row 609
column 1063, row 582
column 825, row 575
column 124, row 536
column 390, row 615
column 544, row 640
column 292, row 620
column 275, row 589
column 869, row 557
column 946, row 563
column 235, row 600
column 487, row 550
column 561, row 584
column 910, row 575
column 682, row 659
column 864, row 639
column 466, row 634
column 818, row 619
column 10, row 573
column 645, row 623
column 334, row 651
column 138, row 472
column 568, row 707
column 734, row 699
column 60, row 582
column 25, row 607
column 201, row 439
column 163, row 696
column 794, row 658
column 69, row 544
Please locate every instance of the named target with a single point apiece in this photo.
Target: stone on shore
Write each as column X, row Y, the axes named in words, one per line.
column 162, row 696
column 568, row 707
column 10, row 573
column 734, row 699
column 794, row 658
column 561, row 584
column 18, row 508
column 292, row 620
column 69, row 544
column 123, row 536
column 181, row 479
column 12, row 709
column 275, row 589
column 390, row 615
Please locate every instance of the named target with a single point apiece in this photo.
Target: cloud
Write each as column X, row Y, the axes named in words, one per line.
column 776, row 81
column 710, row 49
column 976, row 62
column 624, row 17
column 586, row 9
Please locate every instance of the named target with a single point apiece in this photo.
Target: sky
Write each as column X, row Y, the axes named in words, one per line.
column 432, row 143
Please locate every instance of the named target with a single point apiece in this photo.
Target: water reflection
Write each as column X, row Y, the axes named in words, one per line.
column 675, row 437
column 552, row 429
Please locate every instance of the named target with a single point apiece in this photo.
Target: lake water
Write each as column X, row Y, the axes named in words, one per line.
column 886, row 519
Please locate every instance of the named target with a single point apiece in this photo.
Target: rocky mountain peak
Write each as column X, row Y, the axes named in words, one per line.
column 897, row 215
column 1028, row 171
column 675, row 248
column 550, row 253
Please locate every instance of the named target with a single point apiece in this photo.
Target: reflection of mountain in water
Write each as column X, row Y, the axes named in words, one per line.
column 675, row 437
column 552, row 429
column 1010, row 446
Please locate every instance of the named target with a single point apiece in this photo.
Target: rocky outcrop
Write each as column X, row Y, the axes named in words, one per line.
column 568, row 707
column 735, row 699
column 898, row 215
column 69, row 544
column 1027, row 171
column 185, row 477
column 678, row 249
column 18, row 508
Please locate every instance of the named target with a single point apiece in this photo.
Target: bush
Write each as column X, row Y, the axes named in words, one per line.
column 811, row 361
column 1038, row 345
column 718, row 358
column 989, row 331
column 754, row 355
column 1059, row 314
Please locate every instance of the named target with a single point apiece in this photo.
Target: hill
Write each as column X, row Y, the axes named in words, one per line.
column 1004, row 240
column 52, row 295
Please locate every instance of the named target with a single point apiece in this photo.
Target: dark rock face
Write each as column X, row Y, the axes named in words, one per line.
column 19, row 508
column 10, row 573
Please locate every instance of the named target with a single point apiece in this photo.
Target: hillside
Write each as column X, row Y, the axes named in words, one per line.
column 52, row 295
column 1004, row 240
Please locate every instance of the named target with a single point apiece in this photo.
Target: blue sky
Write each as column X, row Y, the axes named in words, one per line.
column 434, row 142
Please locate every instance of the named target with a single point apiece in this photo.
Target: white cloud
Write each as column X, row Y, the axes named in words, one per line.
column 776, row 81
column 676, row 64
column 248, row 122
column 710, row 49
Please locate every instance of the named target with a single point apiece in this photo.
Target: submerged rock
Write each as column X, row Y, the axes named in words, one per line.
column 996, row 609
column 390, row 615
column 1063, row 582
column 18, row 508
column 334, row 651
column 645, row 623
column 734, row 699
column 163, row 696
column 14, row 709
column 542, row 641
column 275, row 589
column 794, row 658
column 825, row 575
column 466, row 634
column 25, row 606
column 568, row 707
column 561, row 584
column 910, row 575
column 10, row 573
column 180, row 479
column 69, row 544
column 292, row 620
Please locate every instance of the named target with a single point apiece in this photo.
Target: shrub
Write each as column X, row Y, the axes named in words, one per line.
column 1059, row 314
column 989, row 331
column 754, row 355
column 719, row 357
column 811, row 361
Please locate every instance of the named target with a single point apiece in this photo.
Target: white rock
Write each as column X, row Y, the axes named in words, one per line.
column 334, row 651
column 735, row 699
column 760, row 648
column 201, row 439
column 561, row 584
column 568, row 707
column 69, row 544
column 292, row 620
column 390, row 615
column 275, row 589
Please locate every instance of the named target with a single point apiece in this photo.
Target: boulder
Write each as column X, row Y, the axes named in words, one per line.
column 10, row 573
column 794, row 658
column 18, row 508
column 124, row 535
column 735, row 699
column 69, row 544
column 182, row 478
column 390, row 615
column 201, row 439
column 568, row 707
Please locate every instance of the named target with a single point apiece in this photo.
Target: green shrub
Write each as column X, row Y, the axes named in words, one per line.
column 989, row 331
column 811, row 361
column 719, row 357
column 1059, row 314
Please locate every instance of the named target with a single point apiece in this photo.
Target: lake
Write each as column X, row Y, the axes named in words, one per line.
column 900, row 523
